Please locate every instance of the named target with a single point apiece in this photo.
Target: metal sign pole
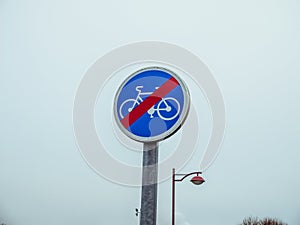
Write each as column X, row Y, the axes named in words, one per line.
column 149, row 184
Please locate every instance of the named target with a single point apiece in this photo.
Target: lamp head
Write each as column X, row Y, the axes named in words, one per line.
column 197, row 180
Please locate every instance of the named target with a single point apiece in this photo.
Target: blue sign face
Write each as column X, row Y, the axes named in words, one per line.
column 151, row 104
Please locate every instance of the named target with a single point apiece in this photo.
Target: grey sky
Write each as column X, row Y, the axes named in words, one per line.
column 252, row 48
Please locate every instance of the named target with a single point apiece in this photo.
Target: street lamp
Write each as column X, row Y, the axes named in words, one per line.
column 197, row 180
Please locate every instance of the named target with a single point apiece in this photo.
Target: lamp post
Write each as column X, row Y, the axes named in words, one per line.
column 197, row 180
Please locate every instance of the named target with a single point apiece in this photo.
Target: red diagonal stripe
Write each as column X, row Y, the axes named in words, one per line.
column 150, row 101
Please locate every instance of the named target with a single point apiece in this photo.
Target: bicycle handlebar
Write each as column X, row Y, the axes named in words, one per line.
column 138, row 88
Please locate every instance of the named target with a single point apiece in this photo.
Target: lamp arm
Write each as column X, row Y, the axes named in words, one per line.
column 185, row 175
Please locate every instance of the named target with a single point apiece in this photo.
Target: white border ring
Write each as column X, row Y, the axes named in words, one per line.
column 174, row 128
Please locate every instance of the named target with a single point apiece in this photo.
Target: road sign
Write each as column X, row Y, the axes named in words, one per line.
column 151, row 104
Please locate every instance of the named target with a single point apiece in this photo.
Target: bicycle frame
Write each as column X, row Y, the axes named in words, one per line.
column 139, row 99
column 162, row 105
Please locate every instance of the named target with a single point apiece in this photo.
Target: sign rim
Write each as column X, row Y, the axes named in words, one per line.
column 178, row 123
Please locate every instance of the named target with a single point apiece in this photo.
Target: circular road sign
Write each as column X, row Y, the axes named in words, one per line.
column 151, row 104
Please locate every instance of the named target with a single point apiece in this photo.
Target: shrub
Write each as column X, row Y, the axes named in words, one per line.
column 270, row 221
column 265, row 221
column 250, row 221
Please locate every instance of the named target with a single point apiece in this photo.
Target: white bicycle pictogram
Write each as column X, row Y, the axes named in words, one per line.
column 167, row 105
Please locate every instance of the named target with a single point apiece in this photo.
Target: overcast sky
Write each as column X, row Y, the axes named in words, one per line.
column 251, row 47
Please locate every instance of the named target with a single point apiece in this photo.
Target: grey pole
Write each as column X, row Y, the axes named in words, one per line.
column 149, row 184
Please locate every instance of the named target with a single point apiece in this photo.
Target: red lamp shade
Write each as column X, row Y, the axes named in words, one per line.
column 197, row 180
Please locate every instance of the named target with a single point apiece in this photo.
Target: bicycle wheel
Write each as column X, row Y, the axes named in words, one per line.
column 174, row 108
column 127, row 106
